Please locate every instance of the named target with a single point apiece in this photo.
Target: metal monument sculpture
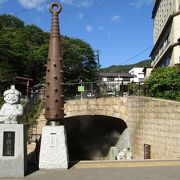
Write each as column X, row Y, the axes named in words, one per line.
column 53, row 151
column 54, row 101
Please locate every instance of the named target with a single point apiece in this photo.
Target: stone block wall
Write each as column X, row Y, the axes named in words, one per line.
column 150, row 121
column 115, row 107
column 157, row 123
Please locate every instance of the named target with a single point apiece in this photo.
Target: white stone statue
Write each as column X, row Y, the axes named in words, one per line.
column 12, row 108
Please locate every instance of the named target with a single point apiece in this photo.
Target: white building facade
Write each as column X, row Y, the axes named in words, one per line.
column 124, row 78
column 138, row 73
column 116, row 82
column 166, row 17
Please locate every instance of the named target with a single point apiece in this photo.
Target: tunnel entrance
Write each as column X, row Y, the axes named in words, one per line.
column 92, row 137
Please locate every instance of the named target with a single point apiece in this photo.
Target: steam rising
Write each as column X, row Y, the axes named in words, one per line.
column 91, row 137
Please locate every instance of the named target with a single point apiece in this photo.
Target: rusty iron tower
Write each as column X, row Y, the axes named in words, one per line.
column 54, row 95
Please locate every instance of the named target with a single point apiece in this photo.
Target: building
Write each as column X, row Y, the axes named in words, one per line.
column 166, row 17
column 147, row 72
column 116, row 83
column 138, row 74
column 116, row 77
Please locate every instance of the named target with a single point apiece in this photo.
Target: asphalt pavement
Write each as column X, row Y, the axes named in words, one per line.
column 109, row 170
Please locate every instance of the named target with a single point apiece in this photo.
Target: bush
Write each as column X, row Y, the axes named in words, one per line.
column 1, row 101
column 32, row 114
column 165, row 83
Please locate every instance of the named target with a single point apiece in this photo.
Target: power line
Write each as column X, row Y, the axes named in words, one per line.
column 141, row 52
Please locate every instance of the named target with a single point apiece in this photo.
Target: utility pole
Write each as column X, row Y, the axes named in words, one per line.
column 97, row 53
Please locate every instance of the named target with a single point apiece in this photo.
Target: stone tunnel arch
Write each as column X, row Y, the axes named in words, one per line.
column 90, row 137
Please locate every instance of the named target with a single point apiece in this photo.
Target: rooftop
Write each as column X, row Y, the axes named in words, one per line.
column 107, row 74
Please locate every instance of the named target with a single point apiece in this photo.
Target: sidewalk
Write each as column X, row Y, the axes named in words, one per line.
column 142, row 170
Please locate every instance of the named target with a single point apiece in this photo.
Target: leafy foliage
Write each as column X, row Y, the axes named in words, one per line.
column 9, row 21
column 1, row 101
column 24, row 52
column 20, row 49
column 165, row 83
column 31, row 116
column 126, row 68
column 78, row 60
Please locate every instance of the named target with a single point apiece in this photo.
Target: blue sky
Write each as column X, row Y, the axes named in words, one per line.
column 121, row 29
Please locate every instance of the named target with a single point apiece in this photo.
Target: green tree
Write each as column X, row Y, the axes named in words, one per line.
column 35, row 56
column 7, row 24
column 165, row 83
column 22, row 48
column 24, row 52
column 10, row 21
column 79, row 60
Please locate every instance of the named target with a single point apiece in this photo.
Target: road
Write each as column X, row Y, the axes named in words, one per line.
column 106, row 170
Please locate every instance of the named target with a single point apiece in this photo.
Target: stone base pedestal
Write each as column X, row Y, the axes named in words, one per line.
column 13, row 150
column 53, row 152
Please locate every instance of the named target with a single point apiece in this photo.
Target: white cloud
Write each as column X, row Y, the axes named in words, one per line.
column 34, row 4
column 141, row 3
column 89, row 28
column 109, row 33
column 3, row 1
column 100, row 27
column 79, row 3
column 11, row 13
column 80, row 16
column 116, row 18
column 85, row 3
column 70, row 2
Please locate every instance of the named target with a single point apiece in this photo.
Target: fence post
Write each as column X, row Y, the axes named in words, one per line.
column 81, row 91
column 122, row 88
column 91, row 89
column 133, row 88
column 139, row 87
column 144, row 90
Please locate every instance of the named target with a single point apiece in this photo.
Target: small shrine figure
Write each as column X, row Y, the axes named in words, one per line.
column 12, row 108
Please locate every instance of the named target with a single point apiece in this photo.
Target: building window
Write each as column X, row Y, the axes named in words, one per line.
column 166, row 62
column 110, row 79
column 126, row 79
column 141, row 79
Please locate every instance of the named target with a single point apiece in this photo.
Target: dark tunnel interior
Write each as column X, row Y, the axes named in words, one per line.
column 90, row 137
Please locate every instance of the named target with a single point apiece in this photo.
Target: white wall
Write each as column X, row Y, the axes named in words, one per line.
column 138, row 72
column 176, row 36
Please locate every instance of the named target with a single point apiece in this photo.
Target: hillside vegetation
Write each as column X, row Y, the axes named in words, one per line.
column 126, row 68
column 24, row 52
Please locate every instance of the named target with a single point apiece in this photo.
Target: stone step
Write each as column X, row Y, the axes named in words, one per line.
column 126, row 164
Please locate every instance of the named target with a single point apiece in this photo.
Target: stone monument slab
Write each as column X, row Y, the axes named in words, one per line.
column 53, row 151
column 13, row 150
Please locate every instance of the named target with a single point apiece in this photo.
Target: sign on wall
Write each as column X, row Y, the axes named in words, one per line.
column 8, row 143
column 147, row 151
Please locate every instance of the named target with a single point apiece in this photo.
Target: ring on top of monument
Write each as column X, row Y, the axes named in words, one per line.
column 52, row 8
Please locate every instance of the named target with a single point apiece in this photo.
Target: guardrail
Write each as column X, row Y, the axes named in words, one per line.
column 103, row 89
column 93, row 90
